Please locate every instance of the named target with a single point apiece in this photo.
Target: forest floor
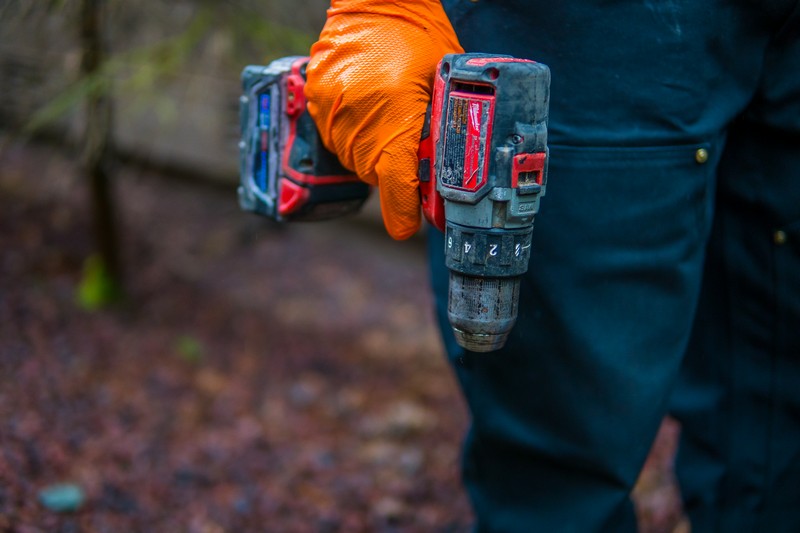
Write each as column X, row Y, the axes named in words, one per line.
column 256, row 378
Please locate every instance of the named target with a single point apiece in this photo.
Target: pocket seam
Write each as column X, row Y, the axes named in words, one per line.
column 603, row 155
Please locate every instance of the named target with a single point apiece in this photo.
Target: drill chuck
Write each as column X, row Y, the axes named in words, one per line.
column 485, row 270
column 482, row 310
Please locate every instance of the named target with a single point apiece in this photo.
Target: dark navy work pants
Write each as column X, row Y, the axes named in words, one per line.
column 665, row 274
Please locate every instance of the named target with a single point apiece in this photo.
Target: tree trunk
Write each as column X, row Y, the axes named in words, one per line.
column 98, row 143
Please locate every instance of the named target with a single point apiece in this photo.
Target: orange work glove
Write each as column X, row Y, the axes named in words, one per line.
column 369, row 83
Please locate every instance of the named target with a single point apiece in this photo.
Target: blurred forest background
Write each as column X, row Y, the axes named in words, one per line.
column 169, row 363
column 171, row 69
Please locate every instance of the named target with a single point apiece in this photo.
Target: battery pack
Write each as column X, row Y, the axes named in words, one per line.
column 286, row 173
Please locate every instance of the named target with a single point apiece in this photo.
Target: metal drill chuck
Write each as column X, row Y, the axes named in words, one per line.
column 485, row 270
column 482, row 311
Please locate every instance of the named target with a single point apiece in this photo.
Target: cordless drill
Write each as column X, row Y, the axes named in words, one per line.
column 482, row 171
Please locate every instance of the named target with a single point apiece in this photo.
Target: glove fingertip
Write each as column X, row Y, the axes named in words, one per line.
column 399, row 193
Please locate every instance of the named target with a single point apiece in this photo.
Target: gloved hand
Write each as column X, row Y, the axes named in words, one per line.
column 369, row 83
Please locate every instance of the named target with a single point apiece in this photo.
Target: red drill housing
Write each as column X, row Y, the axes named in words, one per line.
column 483, row 170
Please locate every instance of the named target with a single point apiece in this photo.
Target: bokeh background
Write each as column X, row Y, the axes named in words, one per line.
column 169, row 363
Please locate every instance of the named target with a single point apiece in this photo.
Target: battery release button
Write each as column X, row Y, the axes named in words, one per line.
column 527, row 172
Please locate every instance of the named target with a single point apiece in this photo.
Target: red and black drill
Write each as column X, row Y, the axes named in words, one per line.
column 482, row 172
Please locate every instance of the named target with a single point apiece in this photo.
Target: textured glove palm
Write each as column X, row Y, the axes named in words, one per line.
column 369, row 84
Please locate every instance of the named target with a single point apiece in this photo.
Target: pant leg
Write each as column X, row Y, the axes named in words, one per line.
column 563, row 416
column 739, row 393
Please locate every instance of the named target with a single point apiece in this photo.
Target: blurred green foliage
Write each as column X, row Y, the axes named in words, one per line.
column 144, row 69
column 190, row 349
column 97, row 289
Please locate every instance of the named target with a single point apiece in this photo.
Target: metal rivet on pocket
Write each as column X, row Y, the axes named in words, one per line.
column 701, row 155
column 779, row 237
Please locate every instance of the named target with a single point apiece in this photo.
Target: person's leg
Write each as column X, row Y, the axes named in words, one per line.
column 739, row 394
column 564, row 415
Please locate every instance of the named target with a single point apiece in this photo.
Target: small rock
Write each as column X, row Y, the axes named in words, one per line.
column 62, row 498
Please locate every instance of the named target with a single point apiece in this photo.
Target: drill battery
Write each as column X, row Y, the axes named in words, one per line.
column 285, row 172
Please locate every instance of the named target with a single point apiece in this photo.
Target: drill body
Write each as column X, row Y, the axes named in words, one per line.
column 489, row 159
column 482, row 171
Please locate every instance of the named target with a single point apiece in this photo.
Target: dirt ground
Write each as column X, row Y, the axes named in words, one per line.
column 257, row 378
